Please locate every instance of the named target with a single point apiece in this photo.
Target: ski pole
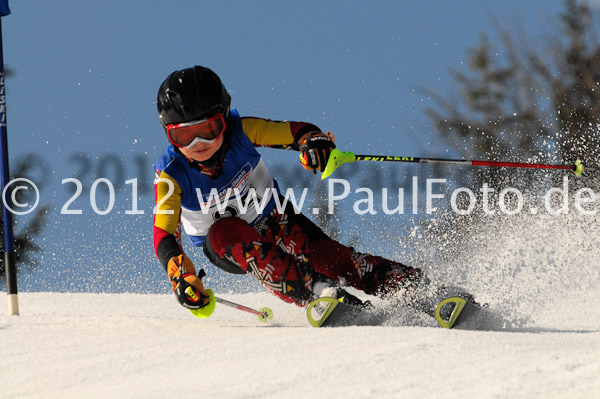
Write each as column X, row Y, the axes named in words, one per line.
column 338, row 158
column 264, row 314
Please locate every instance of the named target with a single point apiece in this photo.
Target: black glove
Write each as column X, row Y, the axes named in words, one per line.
column 188, row 287
column 315, row 148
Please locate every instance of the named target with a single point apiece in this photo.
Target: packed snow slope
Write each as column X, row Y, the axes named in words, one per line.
column 146, row 346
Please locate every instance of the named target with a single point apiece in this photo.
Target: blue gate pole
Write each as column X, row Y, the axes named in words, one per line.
column 9, row 248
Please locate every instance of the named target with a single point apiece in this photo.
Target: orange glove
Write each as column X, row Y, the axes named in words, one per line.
column 315, row 148
column 187, row 286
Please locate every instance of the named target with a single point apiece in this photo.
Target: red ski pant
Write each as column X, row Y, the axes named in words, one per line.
column 288, row 253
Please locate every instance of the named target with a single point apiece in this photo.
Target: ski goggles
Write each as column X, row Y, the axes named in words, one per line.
column 188, row 134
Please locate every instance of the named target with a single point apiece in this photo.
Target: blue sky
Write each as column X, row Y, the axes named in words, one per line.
column 87, row 72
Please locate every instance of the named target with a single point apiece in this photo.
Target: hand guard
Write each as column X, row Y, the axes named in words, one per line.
column 188, row 287
column 315, row 148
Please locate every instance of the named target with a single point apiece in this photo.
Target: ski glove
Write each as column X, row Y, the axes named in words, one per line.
column 187, row 286
column 315, row 148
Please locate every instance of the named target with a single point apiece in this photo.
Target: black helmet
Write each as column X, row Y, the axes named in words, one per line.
column 191, row 94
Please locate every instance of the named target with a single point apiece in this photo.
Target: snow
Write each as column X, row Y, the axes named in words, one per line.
column 67, row 345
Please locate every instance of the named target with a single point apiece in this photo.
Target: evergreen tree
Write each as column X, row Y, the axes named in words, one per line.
column 525, row 103
column 25, row 246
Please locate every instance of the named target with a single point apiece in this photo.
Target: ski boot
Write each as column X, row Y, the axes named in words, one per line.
column 335, row 307
column 331, row 289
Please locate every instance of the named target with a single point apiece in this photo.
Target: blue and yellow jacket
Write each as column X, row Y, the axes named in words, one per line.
column 185, row 196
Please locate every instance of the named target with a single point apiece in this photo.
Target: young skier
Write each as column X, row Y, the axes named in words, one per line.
column 213, row 148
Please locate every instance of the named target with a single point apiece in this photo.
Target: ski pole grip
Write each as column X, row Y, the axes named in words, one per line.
column 336, row 159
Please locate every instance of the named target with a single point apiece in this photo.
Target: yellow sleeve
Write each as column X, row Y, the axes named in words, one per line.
column 168, row 203
column 266, row 132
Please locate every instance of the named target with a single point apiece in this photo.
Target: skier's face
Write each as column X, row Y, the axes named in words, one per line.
column 203, row 151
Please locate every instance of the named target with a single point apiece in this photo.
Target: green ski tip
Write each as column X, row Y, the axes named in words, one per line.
column 324, row 308
column 459, row 304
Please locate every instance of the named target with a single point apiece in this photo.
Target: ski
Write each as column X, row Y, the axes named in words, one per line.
column 453, row 312
column 332, row 312
column 450, row 312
